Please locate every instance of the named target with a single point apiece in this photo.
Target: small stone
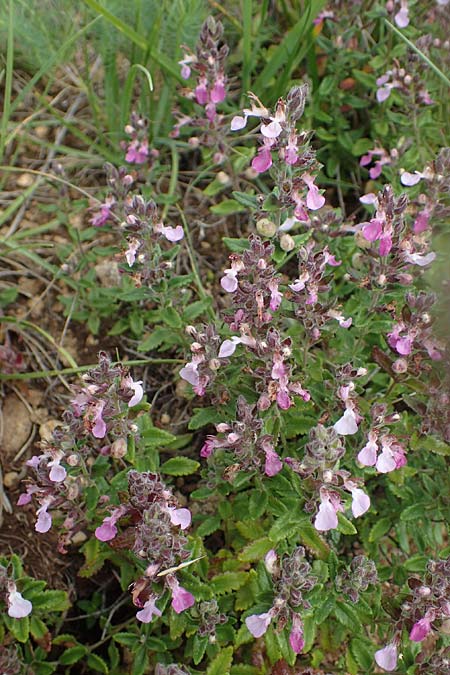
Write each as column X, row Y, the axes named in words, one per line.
column 11, row 479
column 25, row 180
column 79, row 538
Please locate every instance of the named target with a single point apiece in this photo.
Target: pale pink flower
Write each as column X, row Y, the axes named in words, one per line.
column 368, row 455
column 190, row 374
column 44, row 520
column 386, row 658
column 314, row 200
column 273, row 463
column 181, row 517
column 360, row 502
column 263, row 159
column 172, row 234
column 137, row 153
column 181, row 598
column 326, row 518
column 410, row 179
column 296, row 639
column 130, row 253
column 18, row 607
column 149, row 610
column 271, row 561
column 346, row 425
column 258, row 624
column 420, row 630
column 57, row 472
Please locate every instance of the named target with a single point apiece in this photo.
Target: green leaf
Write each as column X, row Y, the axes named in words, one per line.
column 153, row 436
column 312, row 539
column 140, row 661
column 416, row 563
column 324, row 610
column 244, row 670
column 361, row 653
column 51, row 601
column 247, row 200
column 272, row 646
column 309, row 632
column 430, row 444
column 258, row 503
column 227, row 582
column 236, row 245
column 380, row 528
column 180, row 466
column 38, row 629
column 413, row 512
column 209, row 525
column 202, row 417
column 222, row 663
column 227, row 207
column 156, row 338
column 195, row 309
column 94, row 558
column 171, row 317
column 344, row 525
column 256, row 550
column 20, row 628
column 347, row 616
column 97, row 663
column 127, row 639
column 72, row 655
column 198, row 648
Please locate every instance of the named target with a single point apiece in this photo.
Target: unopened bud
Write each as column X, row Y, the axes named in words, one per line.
column 382, row 280
column 400, row 366
column 214, row 364
column 73, row 460
column 266, row 227
column 223, row 178
column 407, row 80
column 287, row 243
column 119, row 448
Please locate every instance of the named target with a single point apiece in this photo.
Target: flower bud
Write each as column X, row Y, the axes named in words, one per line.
column 287, row 243
column 119, row 448
column 266, row 227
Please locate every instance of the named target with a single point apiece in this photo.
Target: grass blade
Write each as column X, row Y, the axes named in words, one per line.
column 8, row 81
column 138, row 40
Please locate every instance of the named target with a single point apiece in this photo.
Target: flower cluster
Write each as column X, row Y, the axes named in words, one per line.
column 210, row 617
column 407, row 82
column 18, row 606
column 152, row 524
column 139, row 222
column 361, row 574
column 321, row 465
column 208, row 62
column 97, row 422
column 292, row 580
column 137, row 150
column 382, row 450
column 429, row 604
column 378, row 157
column 251, row 449
column 413, row 333
column 201, row 371
column 294, row 165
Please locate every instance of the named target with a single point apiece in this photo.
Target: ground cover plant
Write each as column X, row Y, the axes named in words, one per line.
column 224, row 354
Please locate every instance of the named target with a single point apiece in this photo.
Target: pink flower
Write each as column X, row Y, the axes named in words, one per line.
column 326, row 518
column 273, row 464
column 420, row 630
column 360, row 502
column 207, row 448
column 190, row 374
column 368, row 455
column 410, row 179
column 296, row 636
column 137, row 153
column 238, row 123
column 228, row 347
column 258, row 624
column 130, row 253
column 172, row 233
column 218, row 91
column 24, row 498
column 137, row 389
column 346, row 425
column 18, row 607
column 99, row 428
column 263, row 159
column 314, row 200
column 181, row 517
column 383, row 93
column 386, row 658
column 44, row 520
column 181, row 598
column 402, row 17
column 271, row 130
column 149, row 610
column 271, row 561
column 201, row 92
column 275, row 295
column 421, row 222
column 57, row 473
column 105, row 213
column 107, row 530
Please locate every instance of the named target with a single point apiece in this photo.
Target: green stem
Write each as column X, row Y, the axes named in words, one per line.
column 423, row 56
column 80, row 369
column 8, row 81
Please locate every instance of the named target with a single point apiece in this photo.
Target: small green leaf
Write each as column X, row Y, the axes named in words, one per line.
column 202, row 417
column 258, row 503
column 51, row 601
column 236, row 245
column 198, row 648
column 72, row 655
column 222, row 663
column 413, row 512
column 361, row 653
column 153, row 436
column 94, row 558
column 227, row 582
column 209, row 525
column 247, row 200
column 227, row 207
column 97, row 663
column 256, row 550
column 38, row 629
column 380, row 528
column 126, row 639
column 180, row 466
column 20, row 628
column 171, row 317
column 344, row 525
column 140, row 661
